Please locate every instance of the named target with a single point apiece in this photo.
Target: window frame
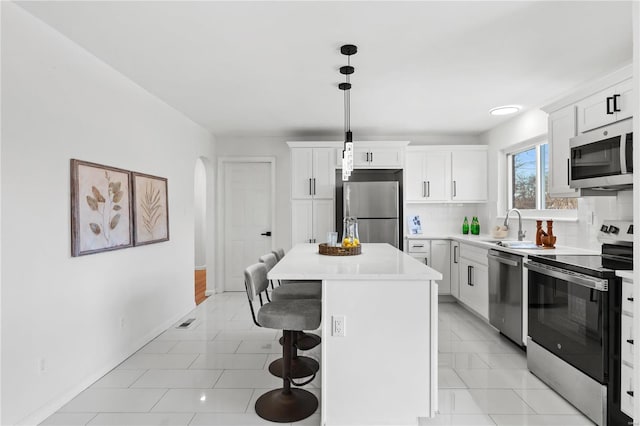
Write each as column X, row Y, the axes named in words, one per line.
column 562, row 214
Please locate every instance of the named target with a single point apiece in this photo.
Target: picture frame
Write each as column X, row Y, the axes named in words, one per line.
column 150, row 209
column 101, row 215
column 415, row 225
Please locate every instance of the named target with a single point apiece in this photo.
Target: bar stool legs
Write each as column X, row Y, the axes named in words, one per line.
column 286, row 405
column 301, row 366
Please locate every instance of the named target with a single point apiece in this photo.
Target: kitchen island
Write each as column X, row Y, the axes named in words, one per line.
column 379, row 333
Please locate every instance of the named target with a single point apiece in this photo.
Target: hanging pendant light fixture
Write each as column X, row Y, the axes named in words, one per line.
column 347, row 153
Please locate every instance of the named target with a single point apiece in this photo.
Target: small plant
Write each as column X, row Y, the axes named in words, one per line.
column 107, row 207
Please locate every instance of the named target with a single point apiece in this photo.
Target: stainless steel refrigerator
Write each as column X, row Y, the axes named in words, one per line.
column 375, row 205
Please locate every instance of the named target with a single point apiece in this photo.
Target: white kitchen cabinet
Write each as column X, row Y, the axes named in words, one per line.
column 433, row 253
column 312, row 173
column 311, row 220
column 469, row 175
column 627, row 348
column 440, row 261
column 562, row 127
column 442, row 174
column 455, row 271
column 474, row 279
column 607, row 106
column 426, row 176
column 376, row 157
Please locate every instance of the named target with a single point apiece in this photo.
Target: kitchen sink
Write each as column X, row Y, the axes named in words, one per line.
column 518, row 244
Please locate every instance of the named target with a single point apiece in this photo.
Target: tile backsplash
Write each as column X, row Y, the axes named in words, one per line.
column 446, row 219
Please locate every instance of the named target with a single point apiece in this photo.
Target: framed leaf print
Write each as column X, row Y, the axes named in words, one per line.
column 150, row 209
column 100, row 208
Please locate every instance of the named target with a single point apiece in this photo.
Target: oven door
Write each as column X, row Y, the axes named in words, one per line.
column 568, row 316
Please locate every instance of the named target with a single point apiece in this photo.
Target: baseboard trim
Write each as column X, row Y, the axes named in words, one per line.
column 47, row 410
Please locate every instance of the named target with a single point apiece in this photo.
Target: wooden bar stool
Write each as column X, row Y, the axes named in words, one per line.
column 285, row 404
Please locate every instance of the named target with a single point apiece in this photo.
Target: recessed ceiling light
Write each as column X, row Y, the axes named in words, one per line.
column 504, row 110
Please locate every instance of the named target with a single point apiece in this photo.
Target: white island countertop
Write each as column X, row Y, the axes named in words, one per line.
column 377, row 262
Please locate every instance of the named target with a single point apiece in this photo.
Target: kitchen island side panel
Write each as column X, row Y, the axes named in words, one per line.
column 384, row 369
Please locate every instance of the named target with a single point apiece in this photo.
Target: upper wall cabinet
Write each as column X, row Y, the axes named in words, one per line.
column 441, row 174
column 376, row 155
column 312, row 173
column 605, row 107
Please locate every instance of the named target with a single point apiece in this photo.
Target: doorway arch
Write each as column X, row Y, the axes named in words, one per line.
column 200, row 213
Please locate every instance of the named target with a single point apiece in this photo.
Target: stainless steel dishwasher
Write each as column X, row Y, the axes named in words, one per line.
column 505, row 294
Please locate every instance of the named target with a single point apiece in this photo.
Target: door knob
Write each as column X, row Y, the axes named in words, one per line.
column 266, row 234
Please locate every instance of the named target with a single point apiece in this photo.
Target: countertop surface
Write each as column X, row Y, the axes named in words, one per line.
column 488, row 242
column 377, row 262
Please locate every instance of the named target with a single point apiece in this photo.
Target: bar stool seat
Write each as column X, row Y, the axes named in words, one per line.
column 302, row 290
column 290, row 315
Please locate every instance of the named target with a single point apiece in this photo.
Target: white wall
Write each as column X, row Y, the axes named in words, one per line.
column 60, row 102
column 200, row 215
column 532, row 126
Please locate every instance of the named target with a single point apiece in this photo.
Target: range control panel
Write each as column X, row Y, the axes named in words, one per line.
column 616, row 230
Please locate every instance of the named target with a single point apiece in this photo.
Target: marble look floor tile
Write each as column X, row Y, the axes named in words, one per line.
column 180, row 379
column 206, row 347
column 157, row 361
column 228, row 419
column 158, row 347
column 248, row 379
column 447, row 379
column 198, row 334
column 118, row 379
column 230, row 361
column 68, row 419
column 204, row 401
column 500, row 379
column 446, row 360
column 313, row 420
column 517, row 361
column 457, row 401
column 468, row 361
column 540, row 420
column 259, row 347
column 257, row 334
column 114, row 401
column 546, row 401
column 142, row 419
column 457, row 420
column 479, row 346
column 499, row 401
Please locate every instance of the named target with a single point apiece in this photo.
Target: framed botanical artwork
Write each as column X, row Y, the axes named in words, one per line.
column 150, row 209
column 100, row 208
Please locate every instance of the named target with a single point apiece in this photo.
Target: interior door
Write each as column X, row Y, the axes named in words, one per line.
column 247, row 218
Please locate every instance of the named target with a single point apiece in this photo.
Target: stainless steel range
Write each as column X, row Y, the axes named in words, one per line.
column 573, row 321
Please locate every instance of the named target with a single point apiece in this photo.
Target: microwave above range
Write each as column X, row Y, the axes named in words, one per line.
column 602, row 159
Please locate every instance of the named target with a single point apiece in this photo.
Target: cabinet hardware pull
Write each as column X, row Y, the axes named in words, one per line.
column 630, row 393
column 310, row 193
column 615, row 103
column 418, row 245
column 455, row 254
column 630, row 341
column 266, row 234
column 469, row 272
column 426, row 261
column 609, row 99
column 367, row 157
column 428, row 189
column 568, row 170
column 371, row 156
column 454, row 188
column 423, row 191
column 314, row 186
column 630, row 299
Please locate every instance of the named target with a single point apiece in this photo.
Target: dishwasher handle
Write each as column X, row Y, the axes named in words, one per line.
column 503, row 260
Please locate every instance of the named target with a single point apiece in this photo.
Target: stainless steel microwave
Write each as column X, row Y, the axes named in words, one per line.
column 603, row 158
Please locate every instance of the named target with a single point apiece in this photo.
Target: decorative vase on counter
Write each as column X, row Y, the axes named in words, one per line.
column 465, row 226
column 475, row 226
column 350, row 237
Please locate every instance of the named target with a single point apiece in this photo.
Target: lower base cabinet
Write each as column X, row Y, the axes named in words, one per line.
column 434, row 253
column 473, row 279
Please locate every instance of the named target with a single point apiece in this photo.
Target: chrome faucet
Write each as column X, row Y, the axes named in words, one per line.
column 521, row 233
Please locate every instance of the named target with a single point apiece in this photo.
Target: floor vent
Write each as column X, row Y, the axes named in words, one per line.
column 187, row 323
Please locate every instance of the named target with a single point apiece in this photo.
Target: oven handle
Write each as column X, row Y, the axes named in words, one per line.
column 569, row 276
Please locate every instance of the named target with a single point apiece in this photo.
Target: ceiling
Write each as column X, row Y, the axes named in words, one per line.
column 271, row 68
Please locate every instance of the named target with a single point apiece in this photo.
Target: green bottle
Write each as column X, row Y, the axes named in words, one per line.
column 465, row 226
column 475, row 226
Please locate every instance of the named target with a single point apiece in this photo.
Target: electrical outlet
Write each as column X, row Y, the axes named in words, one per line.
column 339, row 324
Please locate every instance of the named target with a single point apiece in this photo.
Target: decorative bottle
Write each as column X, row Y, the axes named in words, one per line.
column 475, row 226
column 465, row 226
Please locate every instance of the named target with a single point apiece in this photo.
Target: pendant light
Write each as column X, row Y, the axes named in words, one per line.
column 347, row 70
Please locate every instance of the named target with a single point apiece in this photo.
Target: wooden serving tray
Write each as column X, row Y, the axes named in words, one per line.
column 326, row 250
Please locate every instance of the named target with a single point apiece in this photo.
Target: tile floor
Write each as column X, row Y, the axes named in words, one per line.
column 212, row 373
